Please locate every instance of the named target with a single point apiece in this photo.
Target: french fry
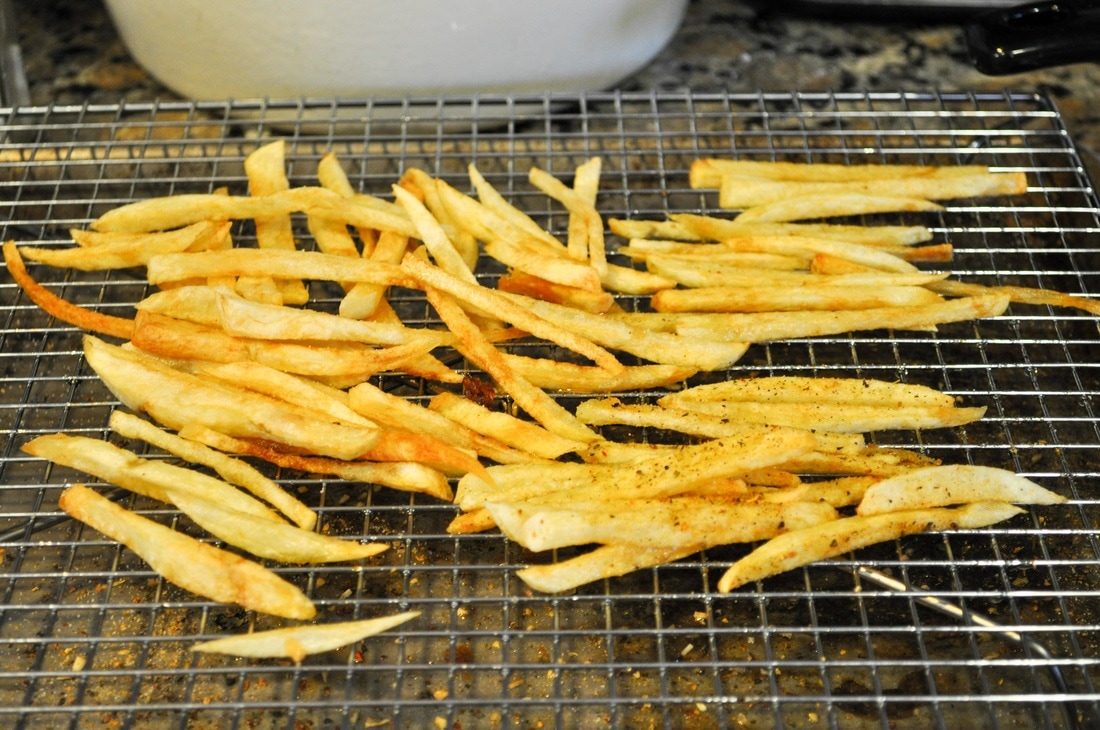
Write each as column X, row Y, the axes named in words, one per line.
column 398, row 413
column 766, row 298
column 435, row 238
column 195, row 566
column 100, row 252
column 606, row 561
column 718, row 271
column 952, row 484
column 801, row 547
column 403, row 476
column 552, row 267
column 364, row 299
column 175, row 399
column 586, row 185
column 505, row 428
column 742, row 191
column 871, row 462
column 266, row 170
column 489, row 300
column 834, row 205
column 298, row 642
column 505, row 219
column 1022, row 294
column 169, row 268
column 716, row 229
column 707, row 172
column 55, row 306
column 567, row 377
column 518, row 282
column 531, row 399
column 580, row 208
column 231, row 470
column 800, row 389
column 771, row 326
column 669, row 523
column 699, row 352
column 428, row 190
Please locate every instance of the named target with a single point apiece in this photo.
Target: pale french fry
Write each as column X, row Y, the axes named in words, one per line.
column 664, row 473
column 168, row 268
column 741, row 191
column 838, row 417
column 231, row 470
column 771, row 326
column 718, row 271
column 669, row 523
column 832, row 206
column 300, row 391
column 425, row 366
column 586, row 184
column 569, row 377
column 707, row 172
column 266, row 170
column 582, row 209
column 505, row 428
column 175, row 211
column 175, row 399
column 435, row 238
column 403, row 476
column 148, row 477
column 537, row 404
column 670, row 229
column 700, row 352
column 332, row 235
column 1022, row 294
column 193, row 565
column 952, row 484
column 801, row 389
column 766, row 298
column 427, row 189
column 717, row 229
column 514, row 220
column 675, row 261
column 364, row 299
column 298, row 642
column 265, row 539
column 102, row 251
column 606, row 561
column 872, row 461
column 55, row 306
column 553, row 267
column 801, row 547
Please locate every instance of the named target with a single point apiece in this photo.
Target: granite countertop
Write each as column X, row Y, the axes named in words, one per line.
column 72, row 54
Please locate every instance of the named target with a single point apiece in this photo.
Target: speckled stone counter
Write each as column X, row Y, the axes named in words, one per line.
column 72, row 54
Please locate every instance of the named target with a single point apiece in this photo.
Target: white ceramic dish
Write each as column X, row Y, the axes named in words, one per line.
column 247, row 49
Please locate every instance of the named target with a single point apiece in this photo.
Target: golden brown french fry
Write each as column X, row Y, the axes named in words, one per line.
column 396, row 412
column 403, row 476
column 716, row 229
column 55, row 306
column 505, row 219
column 577, row 206
column 195, row 566
column 364, row 299
column 872, row 461
column 952, row 484
column 801, row 547
column 434, row 237
column 1021, row 294
column 504, row 427
column 720, row 271
column 767, row 298
column 175, row 399
column 553, row 267
column 231, row 470
column 427, row 189
column 670, row 229
column 518, row 282
column 298, row 642
column 771, row 326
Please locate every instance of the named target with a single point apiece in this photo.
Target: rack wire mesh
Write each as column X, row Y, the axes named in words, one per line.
column 995, row 628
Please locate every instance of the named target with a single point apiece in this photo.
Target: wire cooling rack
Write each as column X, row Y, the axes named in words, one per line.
column 991, row 628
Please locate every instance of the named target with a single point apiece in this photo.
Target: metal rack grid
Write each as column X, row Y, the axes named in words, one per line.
column 996, row 628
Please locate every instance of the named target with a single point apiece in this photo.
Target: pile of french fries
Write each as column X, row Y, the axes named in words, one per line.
column 230, row 360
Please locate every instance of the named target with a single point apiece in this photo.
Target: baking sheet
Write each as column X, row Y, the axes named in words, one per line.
column 93, row 638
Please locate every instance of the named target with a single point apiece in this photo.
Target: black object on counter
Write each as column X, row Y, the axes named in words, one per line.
column 1036, row 35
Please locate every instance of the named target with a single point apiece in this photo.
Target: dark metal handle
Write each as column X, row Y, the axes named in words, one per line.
column 1036, row 35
